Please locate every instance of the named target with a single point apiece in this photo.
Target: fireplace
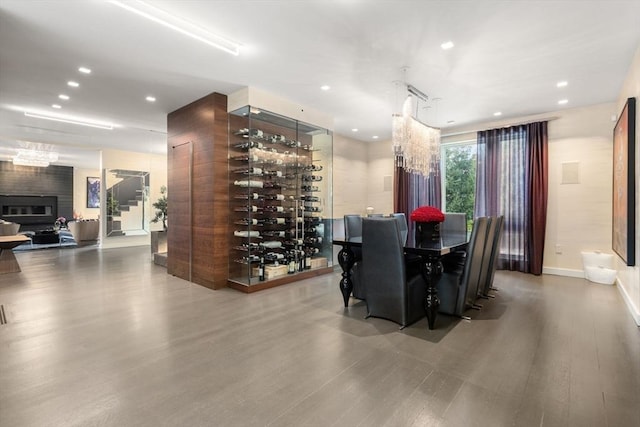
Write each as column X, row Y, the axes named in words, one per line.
column 29, row 209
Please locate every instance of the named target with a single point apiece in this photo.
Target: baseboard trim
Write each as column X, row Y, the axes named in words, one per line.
column 568, row 272
column 630, row 305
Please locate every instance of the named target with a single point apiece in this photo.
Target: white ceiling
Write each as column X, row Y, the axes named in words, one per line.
column 508, row 57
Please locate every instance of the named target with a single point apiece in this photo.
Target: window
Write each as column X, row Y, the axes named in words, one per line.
column 459, row 178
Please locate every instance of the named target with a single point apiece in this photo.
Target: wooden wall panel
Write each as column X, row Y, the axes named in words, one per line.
column 203, row 124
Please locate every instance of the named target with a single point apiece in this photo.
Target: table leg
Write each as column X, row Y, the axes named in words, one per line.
column 8, row 262
column 431, row 272
column 346, row 259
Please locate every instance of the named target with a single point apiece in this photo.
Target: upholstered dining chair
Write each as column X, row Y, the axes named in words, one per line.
column 458, row 289
column 491, row 253
column 353, row 229
column 402, row 226
column 390, row 293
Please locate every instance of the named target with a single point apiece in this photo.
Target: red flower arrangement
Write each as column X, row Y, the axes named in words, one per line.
column 427, row 214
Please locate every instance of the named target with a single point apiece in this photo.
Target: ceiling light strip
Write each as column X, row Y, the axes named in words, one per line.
column 107, row 126
column 177, row 24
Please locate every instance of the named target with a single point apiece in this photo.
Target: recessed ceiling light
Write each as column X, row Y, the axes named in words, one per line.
column 375, row 137
column 63, row 96
column 497, row 113
column 151, row 98
column 354, row 130
column 451, row 122
column 562, row 84
column 85, row 70
column 73, row 84
column 56, row 106
column 563, row 101
column 447, row 45
column 325, row 87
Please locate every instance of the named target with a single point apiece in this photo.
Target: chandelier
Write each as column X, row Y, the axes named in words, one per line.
column 32, row 157
column 416, row 146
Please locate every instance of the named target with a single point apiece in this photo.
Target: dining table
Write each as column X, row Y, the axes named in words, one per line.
column 430, row 253
column 8, row 261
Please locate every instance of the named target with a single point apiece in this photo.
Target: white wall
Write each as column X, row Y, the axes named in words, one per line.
column 350, row 176
column 579, row 215
column 380, row 168
column 629, row 277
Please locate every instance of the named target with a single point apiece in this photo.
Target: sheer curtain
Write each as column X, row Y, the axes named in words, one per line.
column 413, row 190
column 511, row 180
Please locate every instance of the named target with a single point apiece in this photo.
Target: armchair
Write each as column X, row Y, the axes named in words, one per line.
column 390, row 293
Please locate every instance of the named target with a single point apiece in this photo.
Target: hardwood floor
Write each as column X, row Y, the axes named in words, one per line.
column 108, row 338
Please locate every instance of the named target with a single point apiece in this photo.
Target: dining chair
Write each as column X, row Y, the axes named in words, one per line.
column 491, row 254
column 402, row 226
column 353, row 229
column 390, row 292
column 457, row 289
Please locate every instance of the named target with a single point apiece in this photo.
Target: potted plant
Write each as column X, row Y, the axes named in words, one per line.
column 161, row 208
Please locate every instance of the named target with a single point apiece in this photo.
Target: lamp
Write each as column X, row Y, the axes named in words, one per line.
column 416, row 146
column 38, row 158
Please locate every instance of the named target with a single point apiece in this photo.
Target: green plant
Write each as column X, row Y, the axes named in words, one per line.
column 113, row 207
column 161, row 208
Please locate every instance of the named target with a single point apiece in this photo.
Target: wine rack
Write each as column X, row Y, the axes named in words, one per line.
column 280, row 187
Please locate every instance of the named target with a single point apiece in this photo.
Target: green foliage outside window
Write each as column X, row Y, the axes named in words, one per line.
column 460, row 181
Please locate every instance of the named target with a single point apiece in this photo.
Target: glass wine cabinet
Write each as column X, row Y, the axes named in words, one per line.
column 280, row 177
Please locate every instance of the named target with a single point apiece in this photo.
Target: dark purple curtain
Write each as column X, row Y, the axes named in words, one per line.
column 511, row 180
column 538, row 188
column 413, row 190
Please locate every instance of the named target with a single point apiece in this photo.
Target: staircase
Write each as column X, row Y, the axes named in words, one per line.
column 125, row 210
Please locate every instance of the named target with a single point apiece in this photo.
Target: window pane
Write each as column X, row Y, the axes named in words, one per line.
column 459, row 165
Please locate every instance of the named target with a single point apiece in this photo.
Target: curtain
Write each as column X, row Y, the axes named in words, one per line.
column 511, row 180
column 413, row 190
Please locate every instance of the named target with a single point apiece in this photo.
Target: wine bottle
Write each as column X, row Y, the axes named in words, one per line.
column 274, row 173
column 246, row 221
column 276, row 221
column 248, row 144
column 282, row 234
column 292, row 265
column 245, row 158
column 249, row 171
column 250, row 208
column 261, row 270
column 316, row 178
column 271, row 184
column 306, row 198
column 275, row 197
column 277, row 209
column 249, row 183
column 313, row 240
column 309, row 188
column 313, row 168
column 307, row 259
column 250, row 196
column 274, row 256
column 272, row 244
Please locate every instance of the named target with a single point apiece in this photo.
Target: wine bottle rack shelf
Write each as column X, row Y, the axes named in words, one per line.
column 280, row 188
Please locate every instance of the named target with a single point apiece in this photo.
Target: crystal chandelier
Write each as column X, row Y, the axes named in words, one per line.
column 416, row 146
column 32, row 157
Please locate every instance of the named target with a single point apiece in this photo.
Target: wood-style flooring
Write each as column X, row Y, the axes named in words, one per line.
column 106, row 338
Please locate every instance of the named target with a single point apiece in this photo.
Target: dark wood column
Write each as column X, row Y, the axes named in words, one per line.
column 198, row 192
